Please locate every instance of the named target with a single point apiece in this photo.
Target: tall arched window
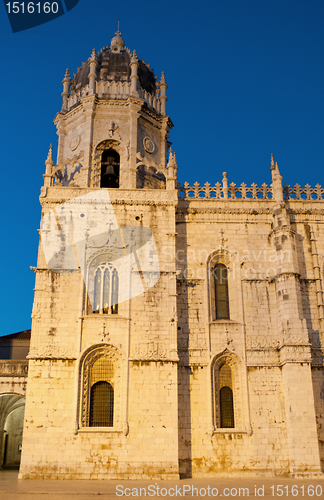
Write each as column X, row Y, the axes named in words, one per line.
column 219, row 292
column 105, row 289
column 226, row 402
column 100, row 403
column 110, row 163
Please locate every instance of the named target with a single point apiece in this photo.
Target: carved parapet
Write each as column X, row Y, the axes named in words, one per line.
column 222, row 192
column 225, row 191
column 297, row 193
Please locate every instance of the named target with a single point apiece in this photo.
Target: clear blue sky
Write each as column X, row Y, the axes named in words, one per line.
column 245, row 77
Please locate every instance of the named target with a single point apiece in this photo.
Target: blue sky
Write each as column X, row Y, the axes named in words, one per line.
column 245, row 79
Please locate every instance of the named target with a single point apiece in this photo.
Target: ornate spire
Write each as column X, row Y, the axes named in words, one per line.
column 172, row 168
column 172, row 159
column 163, row 98
column 276, row 181
column 49, row 159
column 49, row 167
column 92, row 74
column 134, row 65
column 65, row 94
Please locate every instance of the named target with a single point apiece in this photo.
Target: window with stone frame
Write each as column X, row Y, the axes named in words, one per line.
column 228, row 393
column 103, row 284
column 219, row 299
column 100, row 388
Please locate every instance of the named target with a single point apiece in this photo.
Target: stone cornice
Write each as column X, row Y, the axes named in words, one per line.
column 60, row 194
column 13, row 368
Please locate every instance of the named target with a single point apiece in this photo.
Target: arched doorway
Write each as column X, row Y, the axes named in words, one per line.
column 12, row 409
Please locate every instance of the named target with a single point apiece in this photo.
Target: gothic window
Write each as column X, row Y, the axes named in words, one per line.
column 219, row 292
column 229, row 394
column 110, row 163
column 226, row 402
column 100, row 383
column 103, row 289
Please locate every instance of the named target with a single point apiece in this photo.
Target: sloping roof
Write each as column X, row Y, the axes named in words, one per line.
column 24, row 335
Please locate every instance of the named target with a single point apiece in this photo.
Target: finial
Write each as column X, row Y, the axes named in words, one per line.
column 117, row 43
column 134, row 57
column 50, row 154
column 272, row 166
column 172, row 159
column 93, row 54
column 67, row 73
column 49, row 165
column 118, row 25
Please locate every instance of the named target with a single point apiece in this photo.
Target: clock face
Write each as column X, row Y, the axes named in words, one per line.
column 148, row 145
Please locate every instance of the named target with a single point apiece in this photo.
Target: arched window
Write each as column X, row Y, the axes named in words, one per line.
column 219, row 292
column 105, row 289
column 100, row 396
column 226, row 402
column 110, row 163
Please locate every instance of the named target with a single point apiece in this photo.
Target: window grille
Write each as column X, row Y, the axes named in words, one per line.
column 101, row 405
column 105, row 291
column 226, row 397
column 102, row 394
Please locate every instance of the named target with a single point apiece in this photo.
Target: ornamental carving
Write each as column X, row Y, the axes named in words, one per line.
column 150, row 350
column 149, row 145
column 75, row 142
column 13, row 368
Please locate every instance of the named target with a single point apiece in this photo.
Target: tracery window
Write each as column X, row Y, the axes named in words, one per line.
column 103, row 289
column 219, row 301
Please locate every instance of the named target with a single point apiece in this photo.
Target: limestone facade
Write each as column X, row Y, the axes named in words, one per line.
column 205, row 374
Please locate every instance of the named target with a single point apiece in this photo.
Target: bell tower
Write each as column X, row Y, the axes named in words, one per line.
column 102, row 381
column 113, row 128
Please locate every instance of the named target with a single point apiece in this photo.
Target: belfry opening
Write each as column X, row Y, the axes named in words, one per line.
column 110, row 163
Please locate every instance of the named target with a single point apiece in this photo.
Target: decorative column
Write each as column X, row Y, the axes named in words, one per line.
column 294, row 347
column 133, row 78
column 92, row 74
column 48, row 177
column 65, row 94
column 163, row 98
column 225, row 186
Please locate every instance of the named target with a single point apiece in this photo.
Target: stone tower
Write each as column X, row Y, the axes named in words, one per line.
column 103, row 356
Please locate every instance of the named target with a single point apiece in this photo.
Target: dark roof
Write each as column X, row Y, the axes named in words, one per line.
column 114, row 66
column 24, row 335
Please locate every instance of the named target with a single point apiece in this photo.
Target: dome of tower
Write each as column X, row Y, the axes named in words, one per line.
column 114, row 66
